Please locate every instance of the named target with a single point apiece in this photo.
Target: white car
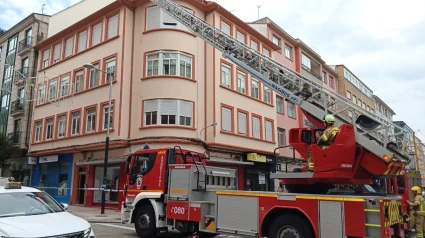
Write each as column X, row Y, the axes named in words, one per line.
column 29, row 212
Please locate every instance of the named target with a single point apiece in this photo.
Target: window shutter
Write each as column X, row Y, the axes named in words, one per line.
column 68, row 47
column 242, row 123
column 97, row 34
column 266, row 52
column 57, row 52
column 226, row 119
column 151, row 106
column 225, row 28
column 166, row 18
column 269, row 131
column 113, row 26
column 168, row 107
column 256, row 127
column 254, row 45
column 82, row 41
column 240, row 37
column 186, row 109
column 153, row 20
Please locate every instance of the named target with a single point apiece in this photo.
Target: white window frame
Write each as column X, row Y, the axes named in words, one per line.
column 41, row 94
column 255, row 88
column 266, row 52
column 268, row 129
column 114, row 31
column 281, row 137
column 38, row 131
column 226, row 115
column 223, row 23
column 306, row 61
column 255, row 44
column 159, row 58
column 291, row 110
column 79, row 80
column 76, row 123
column 57, row 51
column 181, row 110
column 241, row 82
column 90, row 117
column 82, row 41
column 288, row 51
column 46, row 58
column 280, row 106
column 110, row 67
column 226, row 77
column 65, row 86
column 96, row 39
column 256, row 127
column 49, row 129
column 267, row 94
column 69, row 47
column 62, row 126
column 53, row 83
column 94, row 82
column 105, row 116
column 242, row 123
column 276, row 40
column 240, row 37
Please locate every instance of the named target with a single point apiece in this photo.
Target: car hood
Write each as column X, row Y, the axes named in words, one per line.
column 51, row 224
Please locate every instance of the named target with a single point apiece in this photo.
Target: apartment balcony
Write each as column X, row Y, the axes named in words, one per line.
column 17, row 107
column 15, row 137
column 313, row 72
column 21, row 75
column 25, row 45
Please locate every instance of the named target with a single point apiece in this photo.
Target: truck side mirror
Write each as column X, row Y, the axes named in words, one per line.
column 127, row 164
column 306, row 136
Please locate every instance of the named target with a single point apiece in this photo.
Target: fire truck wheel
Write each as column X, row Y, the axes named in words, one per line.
column 145, row 223
column 290, row 226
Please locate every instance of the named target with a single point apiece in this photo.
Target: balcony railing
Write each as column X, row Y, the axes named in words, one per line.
column 15, row 137
column 17, row 106
column 315, row 74
column 25, row 44
column 21, row 75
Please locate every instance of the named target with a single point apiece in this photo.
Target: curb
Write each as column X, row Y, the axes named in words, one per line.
column 100, row 221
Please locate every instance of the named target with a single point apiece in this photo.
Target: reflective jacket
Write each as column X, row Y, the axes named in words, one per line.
column 418, row 205
column 328, row 136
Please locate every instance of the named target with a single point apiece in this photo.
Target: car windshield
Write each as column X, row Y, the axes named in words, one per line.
column 27, row 204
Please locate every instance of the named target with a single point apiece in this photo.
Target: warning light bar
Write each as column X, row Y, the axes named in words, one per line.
column 13, row 185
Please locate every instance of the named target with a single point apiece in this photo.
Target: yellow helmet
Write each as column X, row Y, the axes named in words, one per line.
column 416, row 189
column 329, row 118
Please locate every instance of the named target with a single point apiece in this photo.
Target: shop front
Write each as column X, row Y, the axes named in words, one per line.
column 52, row 174
column 19, row 169
column 257, row 176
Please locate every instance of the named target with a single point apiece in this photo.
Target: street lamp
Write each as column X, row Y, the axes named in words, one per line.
column 214, row 124
column 105, row 162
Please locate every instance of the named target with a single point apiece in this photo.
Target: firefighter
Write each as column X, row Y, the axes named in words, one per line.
column 327, row 137
column 419, row 212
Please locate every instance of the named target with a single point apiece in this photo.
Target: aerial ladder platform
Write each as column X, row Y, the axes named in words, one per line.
column 365, row 146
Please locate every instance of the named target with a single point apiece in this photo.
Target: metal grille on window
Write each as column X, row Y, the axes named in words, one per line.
column 153, row 20
column 226, row 119
column 185, row 113
column 151, row 112
column 269, row 133
column 242, row 123
column 168, row 110
column 256, row 127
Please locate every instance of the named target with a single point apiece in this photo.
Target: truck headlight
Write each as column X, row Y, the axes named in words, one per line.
column 87, row 232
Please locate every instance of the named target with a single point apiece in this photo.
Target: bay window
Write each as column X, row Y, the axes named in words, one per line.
column 168, row 112
column 169, row 63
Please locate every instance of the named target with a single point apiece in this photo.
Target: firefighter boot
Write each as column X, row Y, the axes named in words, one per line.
column 310, row 164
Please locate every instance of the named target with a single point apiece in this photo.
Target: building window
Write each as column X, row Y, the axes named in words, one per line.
column 279, row 105
column 164, row 63
column 256, row 127
column 242, row 123
column 79, row 81
column 324, row 77
column 110, row 69
column 49, row 129
column 76, row 123
column 53, row 90
column 94, row 76
column 112, row 26
column 41, row 94
column 226, row 119
column 288, row 51
column 82, row 41
column 266, row 52
column 349, row 95
column 331, row 82
column 157, row 18
column 368, row 108
column 267, row 94
column 69, row 46
column 64, row 87
column 354, row 99
column 241, row 82
column 96, row 36
column 46, row 59
column 281, row 137
column 291, row 110
column 105, row 117
column 254, row 88
column 225, row 75
column 62, row 126
column 268, row 125
column 225, row 28
column 57, row 53
column 168, row 112
column 240, row 37
column 276, row 40
column 364, row 106
column 91, row 120
column 305, row 61
column 254, row 45
column 38, row 130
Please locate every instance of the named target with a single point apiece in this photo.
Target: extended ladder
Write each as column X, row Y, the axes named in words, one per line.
column 309, row 95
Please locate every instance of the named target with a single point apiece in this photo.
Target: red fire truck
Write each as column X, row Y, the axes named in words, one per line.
column 172, row 187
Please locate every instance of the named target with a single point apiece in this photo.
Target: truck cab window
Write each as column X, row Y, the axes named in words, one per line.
column 143, row 164
column 400, row 184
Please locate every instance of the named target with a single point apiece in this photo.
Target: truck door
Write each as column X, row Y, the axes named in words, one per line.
column 141, row 171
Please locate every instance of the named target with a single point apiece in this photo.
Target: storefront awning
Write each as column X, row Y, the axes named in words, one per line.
column 100, row 161
column 228, row 161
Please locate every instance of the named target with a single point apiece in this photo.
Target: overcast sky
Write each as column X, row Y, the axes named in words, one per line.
column 381, row 41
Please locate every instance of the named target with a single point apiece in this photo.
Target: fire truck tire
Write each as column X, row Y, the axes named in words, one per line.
column 144, row 222
column 290, row 225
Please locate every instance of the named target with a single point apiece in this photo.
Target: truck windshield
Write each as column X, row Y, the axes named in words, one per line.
column 380, row 185
column 143, row 163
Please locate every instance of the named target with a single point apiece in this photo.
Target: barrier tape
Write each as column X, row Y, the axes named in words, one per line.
column 89, row 189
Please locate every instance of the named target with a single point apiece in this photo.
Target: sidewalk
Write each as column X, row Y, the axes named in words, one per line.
column 92, row 214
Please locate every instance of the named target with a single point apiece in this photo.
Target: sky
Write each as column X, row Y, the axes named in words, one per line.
column 381, row 41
